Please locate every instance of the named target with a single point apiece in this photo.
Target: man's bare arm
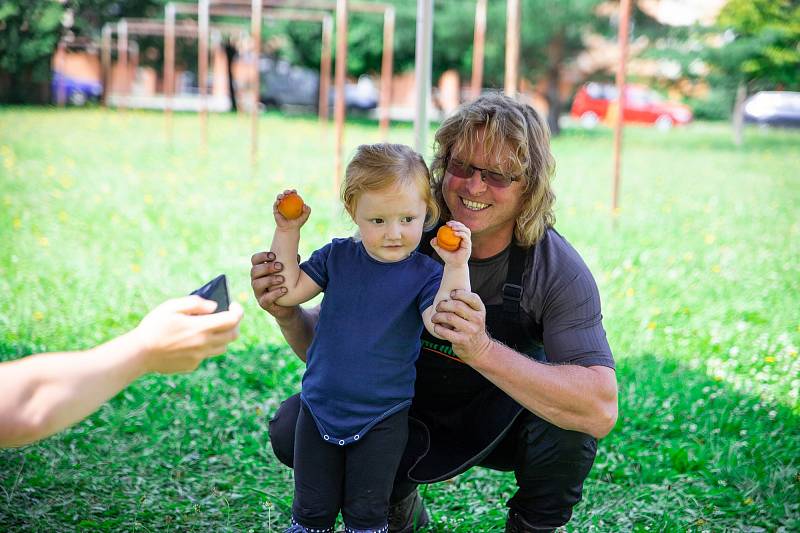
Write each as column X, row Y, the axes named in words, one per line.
column 569, row 396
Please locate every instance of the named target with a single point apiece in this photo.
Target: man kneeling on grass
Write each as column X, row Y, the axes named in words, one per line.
column 524, row 380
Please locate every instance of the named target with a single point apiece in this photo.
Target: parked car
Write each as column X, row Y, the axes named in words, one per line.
column 284, row 84
column 360, row 96
column 773, row 108
column 73, row 90
column 641, row 105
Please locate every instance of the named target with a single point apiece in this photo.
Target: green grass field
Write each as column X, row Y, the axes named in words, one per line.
column 101, row 220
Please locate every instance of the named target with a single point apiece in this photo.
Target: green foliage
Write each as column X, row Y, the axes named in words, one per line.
column 100, row 219
column 717, row 105
column 763, row 51
column 29, row 32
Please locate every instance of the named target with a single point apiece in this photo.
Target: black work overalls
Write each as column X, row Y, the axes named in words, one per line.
column 458, row 416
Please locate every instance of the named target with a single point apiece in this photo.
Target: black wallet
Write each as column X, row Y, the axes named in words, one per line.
column 217, row 290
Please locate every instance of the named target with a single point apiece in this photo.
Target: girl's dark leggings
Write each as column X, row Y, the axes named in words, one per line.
column 356, row 478
column 550, row 464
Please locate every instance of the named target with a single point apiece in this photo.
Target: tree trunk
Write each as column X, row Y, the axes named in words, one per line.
column 230, row 54
column 738, row 113
column 555, row 57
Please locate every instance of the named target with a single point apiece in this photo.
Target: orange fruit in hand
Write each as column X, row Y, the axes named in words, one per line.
column 447, row 239
column 291, row 206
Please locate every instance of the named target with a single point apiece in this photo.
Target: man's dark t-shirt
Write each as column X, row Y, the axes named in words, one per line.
column 560, row 303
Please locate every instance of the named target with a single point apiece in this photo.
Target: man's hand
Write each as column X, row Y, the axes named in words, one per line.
column 179, row 334
column 267, row 283
column 462, row 321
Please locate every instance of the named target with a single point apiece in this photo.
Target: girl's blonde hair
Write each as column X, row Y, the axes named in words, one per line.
column 516, row 131
column 377, row 166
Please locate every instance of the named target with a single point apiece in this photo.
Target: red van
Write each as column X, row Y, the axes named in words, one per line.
column 641, row 105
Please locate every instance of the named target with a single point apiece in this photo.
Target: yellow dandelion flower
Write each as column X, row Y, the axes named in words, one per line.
column 66, row 182
column 255, row 240
column 688, row 257
column 97, row 199
column 571, row 211
column 717, row 378
column 17, row 223
column 651, row 326
column 242, row 297
column 629, row 292
column 63, row 216
column 793, row 352
column 148, row 199
column 136, row 268
column 748, row 501
column 55, row 193
column 43, row 241
column 716, row 269
column 8, row 162
column 51, row 171
column 38, row 316
column 769, row 359
column 7, row 200
column 709, row 238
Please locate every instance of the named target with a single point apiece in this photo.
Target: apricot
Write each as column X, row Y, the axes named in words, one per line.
column 291, row 206
column 447, row 239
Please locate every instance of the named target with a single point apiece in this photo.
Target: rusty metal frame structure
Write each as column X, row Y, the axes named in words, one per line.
column 204, row 10
column 126, row 27
column 341, row 8
column 225, row 8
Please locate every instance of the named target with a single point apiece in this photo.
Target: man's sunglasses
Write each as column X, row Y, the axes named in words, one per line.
column 460, row 169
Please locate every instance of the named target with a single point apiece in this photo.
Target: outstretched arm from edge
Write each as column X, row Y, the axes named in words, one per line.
column 45, row 393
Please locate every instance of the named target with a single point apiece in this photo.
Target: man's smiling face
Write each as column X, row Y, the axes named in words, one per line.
column 489, row 212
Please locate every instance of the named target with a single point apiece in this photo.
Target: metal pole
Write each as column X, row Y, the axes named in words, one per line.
column 169, row 67
column 477, row 48
column 341, row 71
column 624, row 16
column 325, row 67
column 513, row 15
column 386, row 71
column 202, row 68
column 255, row 32
column 422, row 72
column 122, row 59
column 105, row 61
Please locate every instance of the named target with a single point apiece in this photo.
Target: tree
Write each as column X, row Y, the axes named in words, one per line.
column 763, row 38
column 29, row 33
column 759, row 49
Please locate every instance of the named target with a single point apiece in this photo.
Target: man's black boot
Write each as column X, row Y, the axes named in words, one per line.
column 408, row 514
column 517, row 524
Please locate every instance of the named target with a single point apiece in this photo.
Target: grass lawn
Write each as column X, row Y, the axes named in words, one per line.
column 101, row 220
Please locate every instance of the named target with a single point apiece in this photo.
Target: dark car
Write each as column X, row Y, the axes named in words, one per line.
column 284, row 85
column 594, row 102
column 773, row 108
column 73, row 90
